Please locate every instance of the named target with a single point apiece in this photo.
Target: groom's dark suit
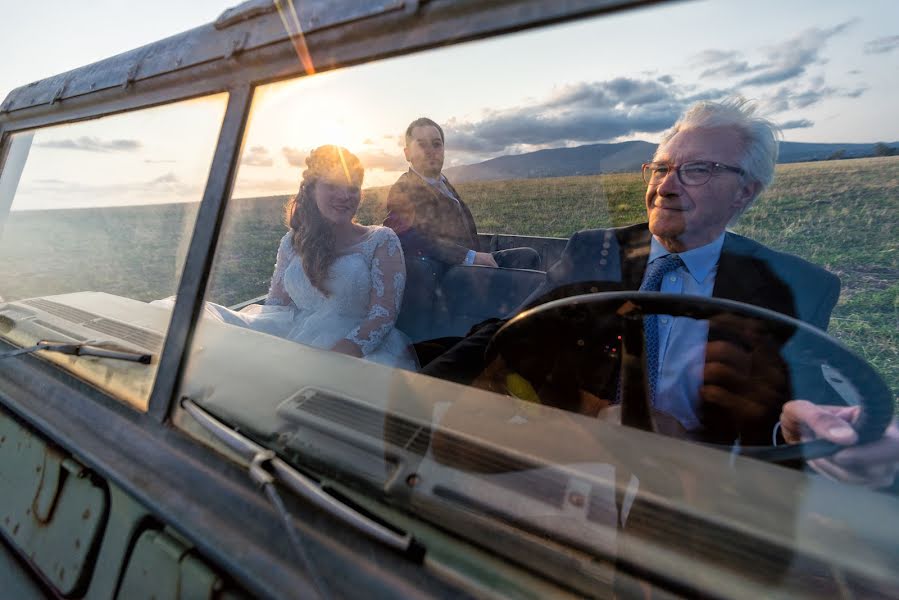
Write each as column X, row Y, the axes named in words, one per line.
column 615, row 260
column 429, row 223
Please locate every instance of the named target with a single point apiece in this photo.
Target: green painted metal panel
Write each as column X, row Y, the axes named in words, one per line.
column 153, row 570
column 14, row 581
column 163, row 567
column 51, row 509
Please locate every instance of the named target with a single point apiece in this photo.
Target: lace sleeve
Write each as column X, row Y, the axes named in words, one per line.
column 277, row 295
column 388, row 280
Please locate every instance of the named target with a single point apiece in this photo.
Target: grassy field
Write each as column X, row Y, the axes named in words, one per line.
column 842, row 215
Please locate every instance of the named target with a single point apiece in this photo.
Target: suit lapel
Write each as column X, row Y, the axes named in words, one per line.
column 420, row 182
column 466, row 214
column 745, row 278
column 741, row 276
column 448, row 209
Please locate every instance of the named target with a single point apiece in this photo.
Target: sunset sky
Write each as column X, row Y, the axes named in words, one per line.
column 824, row 71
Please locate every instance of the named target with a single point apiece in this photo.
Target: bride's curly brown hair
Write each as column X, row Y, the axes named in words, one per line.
column 312, row 234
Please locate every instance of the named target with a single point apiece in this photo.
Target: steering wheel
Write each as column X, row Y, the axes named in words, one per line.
column 566, row 341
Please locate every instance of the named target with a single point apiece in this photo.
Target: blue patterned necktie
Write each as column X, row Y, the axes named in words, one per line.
column 652, row 282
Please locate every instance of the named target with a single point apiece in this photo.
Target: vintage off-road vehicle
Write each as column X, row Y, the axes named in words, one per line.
column 148, row 452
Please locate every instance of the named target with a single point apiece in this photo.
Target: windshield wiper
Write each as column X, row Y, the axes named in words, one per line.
column 82, row 349
column 266, row 468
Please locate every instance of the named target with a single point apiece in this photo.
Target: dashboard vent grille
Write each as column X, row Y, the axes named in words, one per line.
column 525, row 477
column 60, row 330
column 145, row 339
column 62, row 311
column 148, row 340
column 529, row 478
column 349, row 414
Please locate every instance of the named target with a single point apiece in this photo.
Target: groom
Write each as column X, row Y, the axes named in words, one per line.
column 430, row 217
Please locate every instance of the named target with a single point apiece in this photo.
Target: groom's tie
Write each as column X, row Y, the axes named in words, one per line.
column 652, row 282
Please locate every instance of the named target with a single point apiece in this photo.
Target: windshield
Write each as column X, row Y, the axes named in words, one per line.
column 606, row 299
column 95, row 218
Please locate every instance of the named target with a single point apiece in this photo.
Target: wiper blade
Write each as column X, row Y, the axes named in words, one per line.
column 82, row 349
column 264, row 464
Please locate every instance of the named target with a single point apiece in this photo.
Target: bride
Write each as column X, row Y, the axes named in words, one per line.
column 337, row 284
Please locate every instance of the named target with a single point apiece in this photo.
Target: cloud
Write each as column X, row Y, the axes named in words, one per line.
column 295, row 157
column 786, row 98
column 372, row 158
column 783, row 61
column 257, row 156
column 721, row 63
column 599, row 111
column 882, row 45
column 378, row 159
column 797, row 97
column 166, row 187
column 610, row 93
column 92, row 144
column 709, row 94
column 573, row 114
column 168, row 178
column 774, row 75
column 710, row 57
column 731, row 68
column 790, row 58
column 608, row 110
column 797, row 124
column 252, row 188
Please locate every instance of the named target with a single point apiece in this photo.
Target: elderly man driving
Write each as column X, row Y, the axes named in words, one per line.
column 708, row 169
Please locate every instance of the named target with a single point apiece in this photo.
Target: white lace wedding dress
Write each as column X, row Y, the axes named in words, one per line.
column 366, row 285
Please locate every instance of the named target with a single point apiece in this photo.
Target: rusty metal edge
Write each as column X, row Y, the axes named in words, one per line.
column 213, row 41
column 393, row 32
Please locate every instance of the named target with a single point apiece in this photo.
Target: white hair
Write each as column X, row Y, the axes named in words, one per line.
column 760, row 136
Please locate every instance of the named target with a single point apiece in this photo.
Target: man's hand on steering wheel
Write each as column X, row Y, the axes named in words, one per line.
column 745, row 380
column 873, row 465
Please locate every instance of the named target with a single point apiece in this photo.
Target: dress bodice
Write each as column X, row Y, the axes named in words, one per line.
column 349, row 284
column 365, row 283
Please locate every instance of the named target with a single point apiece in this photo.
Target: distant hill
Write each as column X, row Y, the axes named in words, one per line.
column 801, row 152
column 582, row 160
column 593, row 159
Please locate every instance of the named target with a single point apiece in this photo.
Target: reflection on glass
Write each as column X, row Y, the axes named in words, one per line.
column 96, row 218
column 545, row 151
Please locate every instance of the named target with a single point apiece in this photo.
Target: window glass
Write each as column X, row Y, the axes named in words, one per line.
column 96, row 217
column 479, row 180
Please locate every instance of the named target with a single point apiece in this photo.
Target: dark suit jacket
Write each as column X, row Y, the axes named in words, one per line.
column 747, row 272
column 604, row 260
column 428, row 223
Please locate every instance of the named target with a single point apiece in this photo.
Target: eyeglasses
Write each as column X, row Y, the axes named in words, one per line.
column 691, row 173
